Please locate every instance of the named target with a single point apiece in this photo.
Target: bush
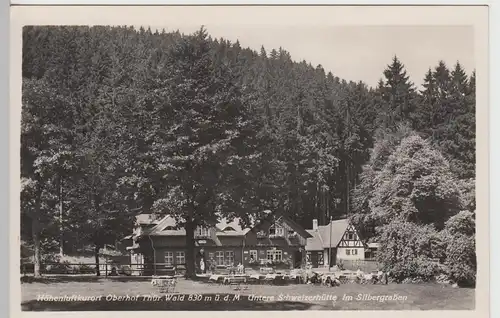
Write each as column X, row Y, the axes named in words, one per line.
column 461, row 223
column 281, row 264
column 86, row 269
column 406, row 250
column 461, row 260
column 58, row 268
column 125, row 270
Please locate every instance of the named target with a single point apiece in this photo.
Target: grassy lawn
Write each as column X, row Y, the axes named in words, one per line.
column 213, row 297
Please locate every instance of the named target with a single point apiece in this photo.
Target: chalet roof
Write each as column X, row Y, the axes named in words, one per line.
column 225, row 227
column 231, row 228
column 146, row 219
column 165, row 227
column 314, row 243
column 321, row 236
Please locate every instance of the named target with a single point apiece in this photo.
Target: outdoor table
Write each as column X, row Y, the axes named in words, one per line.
column 236, row 280
column 216, row 278
column 164, row 283
column 269, row 278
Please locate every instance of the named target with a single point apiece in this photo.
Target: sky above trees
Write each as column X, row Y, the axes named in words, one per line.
column 354, row 52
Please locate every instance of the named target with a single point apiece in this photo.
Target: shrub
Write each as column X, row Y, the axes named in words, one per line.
column 125, row 270
column 86, row 269
column 406, row 250
column 461, row 223
column 461, row 260
column 58, row 268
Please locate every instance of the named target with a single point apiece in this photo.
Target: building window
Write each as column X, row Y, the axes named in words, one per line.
column 350, row 236
column 180, row 258
column 347, row 252
column 276, row 230
column 169, row 258
column 354, row 252
column 202, row 232
column 229, row 258
column 219, row 257
column 274, row 255
column 292, row 233
column 253, row 255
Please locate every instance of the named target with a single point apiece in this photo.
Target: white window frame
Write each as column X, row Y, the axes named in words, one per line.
column 169, row 258
column 254, row 254
column 274, row 255
column 229, row 257
column 279, row 230
column 180, row 257
column 219, row 257
column 202, row 231
column 348, row 252
column 355, row 251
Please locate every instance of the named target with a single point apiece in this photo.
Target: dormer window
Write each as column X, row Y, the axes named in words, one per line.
column 276, row 231
column 228, row 228
column 202, row 232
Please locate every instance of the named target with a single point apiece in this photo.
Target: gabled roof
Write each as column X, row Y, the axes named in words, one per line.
column 297, row 228
column 225, row 227
column 321, row 237
column 314, row 243
column 231, row 228
column 165, row 227
column 146, row 219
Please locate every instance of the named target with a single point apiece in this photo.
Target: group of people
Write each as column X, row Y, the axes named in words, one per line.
column 332, row 279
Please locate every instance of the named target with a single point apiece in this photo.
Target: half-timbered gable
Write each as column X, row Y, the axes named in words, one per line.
column 351, row 238
column 333, row 242
column 350, row 246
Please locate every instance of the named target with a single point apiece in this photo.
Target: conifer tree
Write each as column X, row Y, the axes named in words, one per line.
column 399, row 93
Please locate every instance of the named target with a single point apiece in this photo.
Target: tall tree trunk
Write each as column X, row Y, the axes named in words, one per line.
column 190, row 250
column 61, row 228
column 96, row 255
column 35, row 232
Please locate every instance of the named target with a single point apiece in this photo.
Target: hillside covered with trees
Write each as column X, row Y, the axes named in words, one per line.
column 117, row 121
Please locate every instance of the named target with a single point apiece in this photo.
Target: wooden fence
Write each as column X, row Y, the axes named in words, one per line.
column 104, row 269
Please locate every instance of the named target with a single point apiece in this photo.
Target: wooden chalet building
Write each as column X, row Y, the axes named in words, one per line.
column 343, row 239
column 273, row 239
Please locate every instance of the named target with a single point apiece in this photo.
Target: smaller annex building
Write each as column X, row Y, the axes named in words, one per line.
column 339, row 236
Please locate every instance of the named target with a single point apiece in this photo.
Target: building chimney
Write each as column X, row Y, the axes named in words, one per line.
column 315, row 224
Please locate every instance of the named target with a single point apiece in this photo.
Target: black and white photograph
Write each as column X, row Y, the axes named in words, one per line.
column 205, row 164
